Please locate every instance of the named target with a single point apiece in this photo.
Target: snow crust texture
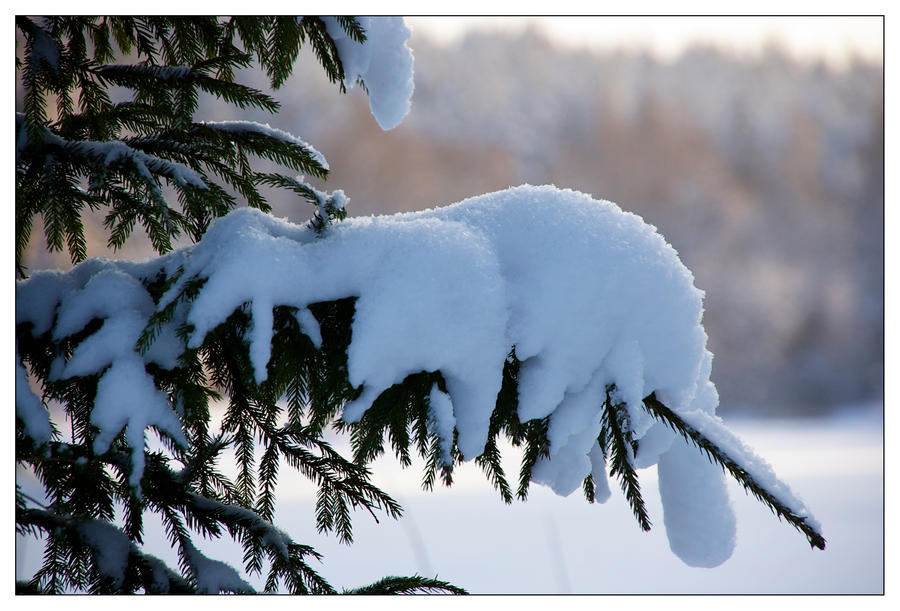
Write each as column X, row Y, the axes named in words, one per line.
column 383, row 63
column 587, row 295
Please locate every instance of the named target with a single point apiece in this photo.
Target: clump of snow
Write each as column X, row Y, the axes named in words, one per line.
column 37, row 299
column 573, row 283
column 309, row 326
column 697, row 512
column 327, row 204
column 128, row 399
column 656, row 440
column 338, row 199
column 29, row 408
column 213, row 576
column 598, row 474
column 573, row 432
column 383, row 63
column 406, row 320
column 441, row 420
column 44, row 50
column 110, row 546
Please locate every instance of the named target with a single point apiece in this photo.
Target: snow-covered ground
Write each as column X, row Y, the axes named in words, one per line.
column 551, row 544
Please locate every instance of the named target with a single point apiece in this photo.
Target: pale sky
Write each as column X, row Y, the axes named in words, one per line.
column 835, row 39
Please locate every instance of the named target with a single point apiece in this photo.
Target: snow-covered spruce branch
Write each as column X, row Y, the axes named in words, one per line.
column 439, row 331
column 120, row 564
column 151, row 82
column 538, row 314
column 793, row 511
column 170, row 493
column 260, row 137
column 124, row 174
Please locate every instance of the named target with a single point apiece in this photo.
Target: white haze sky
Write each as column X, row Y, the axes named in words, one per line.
column 834, row 39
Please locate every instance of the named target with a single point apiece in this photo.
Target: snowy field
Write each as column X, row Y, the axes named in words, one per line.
column 552, row 545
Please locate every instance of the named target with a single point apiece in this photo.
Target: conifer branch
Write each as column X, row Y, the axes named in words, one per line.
column 536, row 446
column 617, row 444
column 67, row 539
column 715, row 454
column 407, row 585
column 587, row 486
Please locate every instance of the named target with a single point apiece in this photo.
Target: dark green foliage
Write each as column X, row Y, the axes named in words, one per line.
column 618, row 446
column 146, row 160
column 407, row 585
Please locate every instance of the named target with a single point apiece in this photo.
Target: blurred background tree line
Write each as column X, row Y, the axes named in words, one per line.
column 766, row 174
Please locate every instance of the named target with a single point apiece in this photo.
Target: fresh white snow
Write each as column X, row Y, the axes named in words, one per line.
column 442, row 420
column 44, row 50
column 110, row 546
column 214, row 576
column 697, row 512
column 29, row 408
column 383, row 63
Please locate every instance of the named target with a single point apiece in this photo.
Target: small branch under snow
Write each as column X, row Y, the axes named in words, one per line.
column 760, row 483
column 111, row 152
column 267, row 130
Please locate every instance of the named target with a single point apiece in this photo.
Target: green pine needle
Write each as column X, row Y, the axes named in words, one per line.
column 716, row 454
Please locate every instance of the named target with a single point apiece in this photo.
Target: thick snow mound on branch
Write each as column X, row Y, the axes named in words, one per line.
column 588, row 295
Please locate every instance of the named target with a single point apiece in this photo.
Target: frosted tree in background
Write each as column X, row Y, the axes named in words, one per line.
column 541, row 315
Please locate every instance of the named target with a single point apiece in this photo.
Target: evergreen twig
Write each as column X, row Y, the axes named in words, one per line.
column 620, row 448
column 408, row 585
column 715, row 454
